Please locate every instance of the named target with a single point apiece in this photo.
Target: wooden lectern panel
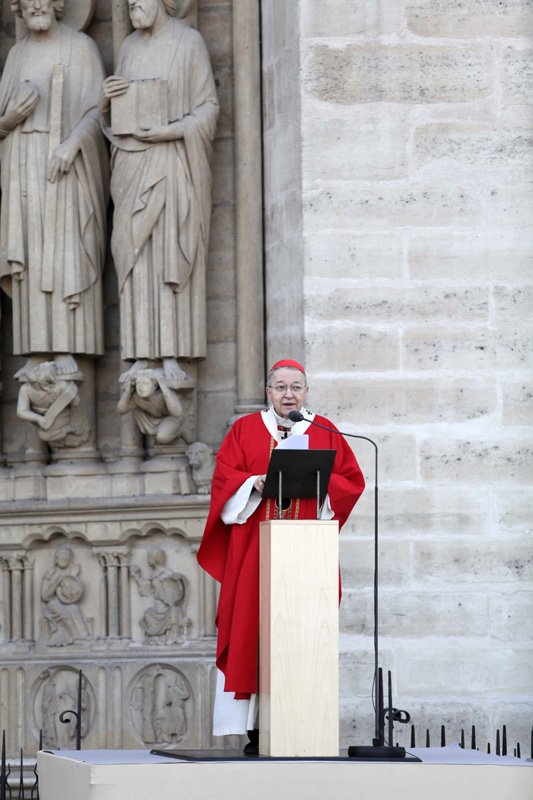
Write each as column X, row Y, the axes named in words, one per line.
column 299, row 638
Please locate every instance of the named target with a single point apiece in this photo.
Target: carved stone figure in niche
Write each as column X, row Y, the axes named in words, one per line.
column 54, row 177
column 156, row 405
column 47, row 399
column 159, row 706
column 58, row 693
column 61, row 591
column 202, row 464
column 160, row 112
column 166, row 621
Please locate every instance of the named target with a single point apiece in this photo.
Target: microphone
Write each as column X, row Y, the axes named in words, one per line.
column 378, row 749
column 297, row 416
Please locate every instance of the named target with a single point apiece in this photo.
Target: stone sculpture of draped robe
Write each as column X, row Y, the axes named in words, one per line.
column 162, row 197
column 59, row 311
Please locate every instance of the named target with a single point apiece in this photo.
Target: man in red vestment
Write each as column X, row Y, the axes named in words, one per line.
column 230, row 545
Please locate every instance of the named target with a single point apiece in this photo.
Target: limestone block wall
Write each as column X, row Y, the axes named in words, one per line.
column 411, row 248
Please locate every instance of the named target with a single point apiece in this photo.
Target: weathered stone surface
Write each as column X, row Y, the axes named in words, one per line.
column 399, row 73
column 347, row 19
column 509, row 206
column 357, row 562
column 399, row 400
column 510, row 616
column 474, row 255
column 347, row 205
column 357, row 349
column 468, row 348
column 512, row 303
column 474, row 144
column 517, row 75
column 443, row 510
column 469, row 564
column 517, row 402
column 469, row 18
column 335, row 300
column 477, row 460
column 419, row 614
column 222, row 319
column 460, row 669
column 513, row 510
column 348, row 253
column 336, row 148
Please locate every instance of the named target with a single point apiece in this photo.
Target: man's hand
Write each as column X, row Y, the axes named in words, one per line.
column 259, row 483
column 160, row 133
column 62, row 159
column 20, row 105
column 113, row 86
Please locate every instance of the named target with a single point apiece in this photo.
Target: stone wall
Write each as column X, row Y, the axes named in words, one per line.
column 109, row 513
column 411, row 238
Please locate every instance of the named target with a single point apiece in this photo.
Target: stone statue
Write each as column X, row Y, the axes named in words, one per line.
column 46, row 399
column 54, row 177
column 61, row 591
column 158, row 705
column 59, row 693
column 159, row 112
column 202, row 464
column 156, row 406
column 168, row 712
column 165, row 622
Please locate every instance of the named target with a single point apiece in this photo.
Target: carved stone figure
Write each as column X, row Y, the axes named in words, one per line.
column 158, row 705
column 59, row 692
column 54, row 177
column 165, row 622
column 61, row 591
column 168, row 717
column 160, row 112
column 156, row 405
column 202, row 464
column 46, row 399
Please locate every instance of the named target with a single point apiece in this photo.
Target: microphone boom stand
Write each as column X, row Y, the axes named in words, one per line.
column 378, row 749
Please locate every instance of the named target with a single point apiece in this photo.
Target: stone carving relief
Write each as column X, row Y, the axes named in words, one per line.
column 166, row 621
column 54, row 180
column 202, row 464
column 161, row 705
column 161, row 184
column 56, row 691
column 17, row 578
column 47, row 399
column 61, row 591
column 161, row 406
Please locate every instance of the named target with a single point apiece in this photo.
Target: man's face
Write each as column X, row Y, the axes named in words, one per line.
column 144, row 386
column 37, row 14
column 143, row 13
column 287, row 391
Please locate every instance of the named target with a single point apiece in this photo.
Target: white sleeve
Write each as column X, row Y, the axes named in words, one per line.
column 242, row 504
column 326, row 512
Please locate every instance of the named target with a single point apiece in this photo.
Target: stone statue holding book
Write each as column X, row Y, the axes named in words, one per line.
column 159, row 112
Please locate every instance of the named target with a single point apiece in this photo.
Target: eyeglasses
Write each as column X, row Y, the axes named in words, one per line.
column 282, row 388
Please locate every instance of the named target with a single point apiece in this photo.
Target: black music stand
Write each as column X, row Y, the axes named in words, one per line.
column 298, row 473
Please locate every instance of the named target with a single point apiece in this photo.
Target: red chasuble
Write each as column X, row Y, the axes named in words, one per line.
column 230, row 553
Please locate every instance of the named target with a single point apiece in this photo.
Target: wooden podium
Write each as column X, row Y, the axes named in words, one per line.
column 299, row 639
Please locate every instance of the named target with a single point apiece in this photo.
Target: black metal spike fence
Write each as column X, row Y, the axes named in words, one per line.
column 499, row 748
column 28, row 789
column 392, row 715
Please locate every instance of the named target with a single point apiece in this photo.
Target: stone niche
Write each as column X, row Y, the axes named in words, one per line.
column 98, row 539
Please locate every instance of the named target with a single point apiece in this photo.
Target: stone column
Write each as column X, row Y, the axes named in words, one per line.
column 121, row 26
column 115, row 592
column 249, row 219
